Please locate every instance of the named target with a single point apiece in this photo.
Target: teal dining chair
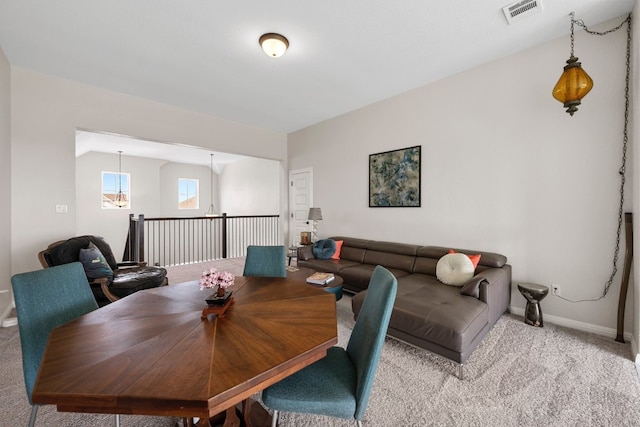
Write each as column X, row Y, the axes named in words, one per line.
column 265, row 261
column 46, row 299
column 339, row 385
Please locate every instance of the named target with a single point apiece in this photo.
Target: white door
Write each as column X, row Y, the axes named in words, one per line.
column 300, row 200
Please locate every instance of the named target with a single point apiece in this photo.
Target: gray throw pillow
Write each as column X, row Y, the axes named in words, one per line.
column 324, row 248
column 94, row 263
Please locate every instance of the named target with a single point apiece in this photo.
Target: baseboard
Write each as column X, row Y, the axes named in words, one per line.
column 635, row 351
column 6, row 313
column 582, row 326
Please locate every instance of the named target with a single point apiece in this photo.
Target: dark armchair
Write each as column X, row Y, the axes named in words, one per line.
column 109, row 279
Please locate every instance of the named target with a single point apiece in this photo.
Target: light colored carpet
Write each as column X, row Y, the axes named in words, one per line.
column 188, row 272
column 519, row 376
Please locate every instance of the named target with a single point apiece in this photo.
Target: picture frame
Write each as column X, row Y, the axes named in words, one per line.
column 394, row 178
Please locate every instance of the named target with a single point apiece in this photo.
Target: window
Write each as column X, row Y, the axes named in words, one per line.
column 188, row 194
column 112, row 184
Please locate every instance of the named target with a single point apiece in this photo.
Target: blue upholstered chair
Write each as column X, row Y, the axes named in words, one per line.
column 46, row 299
column 265, row 261
column 339, row 385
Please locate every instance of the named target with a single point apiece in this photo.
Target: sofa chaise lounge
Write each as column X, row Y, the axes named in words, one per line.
column 447, row 320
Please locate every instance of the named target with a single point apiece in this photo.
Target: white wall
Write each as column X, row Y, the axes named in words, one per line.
column 112, row 224
column 504, row 169
column 634, row 297
column 248, row 187
column 5, row 184
column 170, row 173
column 46, row 111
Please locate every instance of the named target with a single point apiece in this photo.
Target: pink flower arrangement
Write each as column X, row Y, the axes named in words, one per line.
column 216, row 279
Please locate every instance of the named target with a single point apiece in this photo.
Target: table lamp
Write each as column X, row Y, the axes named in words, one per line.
column 315, row 214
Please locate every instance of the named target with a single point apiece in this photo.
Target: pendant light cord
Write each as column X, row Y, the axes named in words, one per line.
column 212, row 210
column 119, row 172
column 120, row 202
column 625, row 140
column 573, row 21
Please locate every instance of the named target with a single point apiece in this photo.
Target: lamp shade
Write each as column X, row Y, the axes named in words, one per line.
column 573, row 85
column 315, row 214
column 274, row 45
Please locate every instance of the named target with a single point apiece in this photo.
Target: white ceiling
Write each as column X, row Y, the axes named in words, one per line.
column 179, row 153
column 204, row 55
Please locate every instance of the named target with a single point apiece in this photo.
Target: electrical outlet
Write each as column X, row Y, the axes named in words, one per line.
column 556, row 290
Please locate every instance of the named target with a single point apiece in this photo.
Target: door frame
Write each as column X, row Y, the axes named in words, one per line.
column 290, row 237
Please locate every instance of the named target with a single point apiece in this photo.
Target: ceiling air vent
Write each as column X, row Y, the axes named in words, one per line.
column 521, row 9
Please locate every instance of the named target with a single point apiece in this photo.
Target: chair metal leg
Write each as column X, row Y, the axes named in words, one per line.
column 32, row 417
column 274, row 418
column 359, row 423
column 117, row 420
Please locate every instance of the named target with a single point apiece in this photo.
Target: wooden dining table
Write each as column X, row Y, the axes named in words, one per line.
column 152, row 353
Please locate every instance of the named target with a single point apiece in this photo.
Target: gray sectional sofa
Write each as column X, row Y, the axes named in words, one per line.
column 446, row 320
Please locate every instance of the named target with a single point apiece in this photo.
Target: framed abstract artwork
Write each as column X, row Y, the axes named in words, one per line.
column 394, row 178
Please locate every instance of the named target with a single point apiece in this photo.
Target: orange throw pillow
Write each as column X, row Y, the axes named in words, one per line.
column 475, row 259
column 336, row 255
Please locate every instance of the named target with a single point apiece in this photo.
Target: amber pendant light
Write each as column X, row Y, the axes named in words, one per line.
column 574, row 83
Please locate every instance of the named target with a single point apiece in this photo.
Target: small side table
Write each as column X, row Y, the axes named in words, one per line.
column 293, row 253
column 533, row 293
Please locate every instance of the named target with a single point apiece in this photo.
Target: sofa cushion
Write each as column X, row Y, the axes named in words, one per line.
column 394, row 248
column 354, row 242
column 129, row 280
column 357, row 277
column 326, row 265
column 352, row 254
column 324, row 248
column 389, row 260
column 438, row 313
column 425, row 265
column 353, row 249
column 94, row 263
column 454, row 269
column 432, row 311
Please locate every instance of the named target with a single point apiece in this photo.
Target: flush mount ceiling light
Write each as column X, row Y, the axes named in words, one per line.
column 274, row 45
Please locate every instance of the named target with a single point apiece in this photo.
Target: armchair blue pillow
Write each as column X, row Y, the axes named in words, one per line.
column 324, row 248
column 94, row 263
